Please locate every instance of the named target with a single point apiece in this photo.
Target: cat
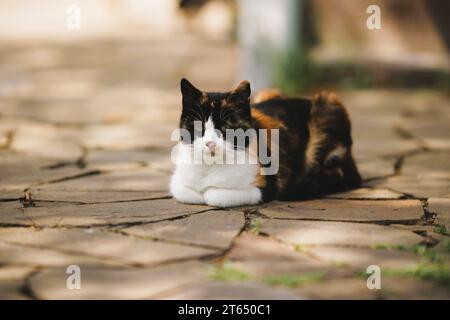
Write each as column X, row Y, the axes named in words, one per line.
column 311, row 139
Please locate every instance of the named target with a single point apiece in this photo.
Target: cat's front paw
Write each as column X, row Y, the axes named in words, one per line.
column 186, row 195
column 225, row 198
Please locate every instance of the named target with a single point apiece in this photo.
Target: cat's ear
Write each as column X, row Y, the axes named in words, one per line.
column 189, row 92
column 241, row 93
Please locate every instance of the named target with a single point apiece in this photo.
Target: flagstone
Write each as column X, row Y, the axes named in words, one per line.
column 136, row 179
column 12, row 290
column 109, row 246
column 28, row 256
column 113, row 213
column 348, row 210
column 52, row 193
column 98, row 283
column 337, row 233
column 231, row 291
column 367, row 193
column 262, row 257
column 212, row 228
column 440, row 206
column 21, row 171
column 361, row 258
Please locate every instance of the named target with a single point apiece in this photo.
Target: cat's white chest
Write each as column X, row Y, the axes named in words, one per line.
column 202, row 177
column 222, row 185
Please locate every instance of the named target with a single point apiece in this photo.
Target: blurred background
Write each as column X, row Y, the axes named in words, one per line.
column 295, row 44
column 89, row 97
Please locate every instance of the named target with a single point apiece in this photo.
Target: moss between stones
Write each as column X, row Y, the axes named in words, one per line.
column 293, row 281
column 227, row 273
column 433, row 266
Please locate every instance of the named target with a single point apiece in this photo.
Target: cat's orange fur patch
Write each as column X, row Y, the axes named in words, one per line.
column 265, row 121
column 268, row 94
column 324, row 98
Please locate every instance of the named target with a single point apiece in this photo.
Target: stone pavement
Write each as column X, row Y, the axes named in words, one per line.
column 85, row 162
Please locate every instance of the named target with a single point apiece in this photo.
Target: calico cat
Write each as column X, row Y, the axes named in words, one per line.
column 311, row 139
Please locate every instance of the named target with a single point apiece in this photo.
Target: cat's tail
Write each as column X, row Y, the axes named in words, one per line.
column 330, row 141
column 268, row 94
column 326, row 98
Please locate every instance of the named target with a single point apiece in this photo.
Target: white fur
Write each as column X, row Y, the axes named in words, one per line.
column 213, row 181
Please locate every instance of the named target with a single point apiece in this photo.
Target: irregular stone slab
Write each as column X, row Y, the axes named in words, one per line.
column 345, row 288
column 367, row 193
column 348, row 210
column 20, row 171
column 126, row 136
column 423, row 175
column 417, row 186
column 382, row 145
column 428, row 165
column 11, row 290
column 43, row 140
column 105, row 105
column 211, row 228
column 231, row 291
column 51, row 193
column 412, row 289
column 430, row 124
column 116, row 159
column 97, row 244
column 99, row 283
column 376, row 138
column 435, row 134
column 391, row 288
column 440, row 206
column 337, row 233
column 14, row 273
column 108, row 213
column 41, row 257
column 374, row 115
column 144, row 179
column 261, row 257
column 417, row 228
column 11, row 213
column 56, row 111
column 102, row 106
column 361, row 258
column 10, row 195
column 370, row 168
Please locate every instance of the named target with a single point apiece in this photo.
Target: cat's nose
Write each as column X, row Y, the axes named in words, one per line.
column 211, row 145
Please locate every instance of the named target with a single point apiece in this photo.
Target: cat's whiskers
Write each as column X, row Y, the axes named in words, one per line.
column 201, row 110
column 197, row 115
column 234, row 149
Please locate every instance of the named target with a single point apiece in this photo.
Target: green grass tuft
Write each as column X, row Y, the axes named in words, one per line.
column 388, row 246
column 255, row 226
column 436, row 272
column 227, row 273
column 301, row 248
column 293, row 281
column 433, row 266
column 441, row 230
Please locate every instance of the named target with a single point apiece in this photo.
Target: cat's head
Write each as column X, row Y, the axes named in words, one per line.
column 209, row 117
